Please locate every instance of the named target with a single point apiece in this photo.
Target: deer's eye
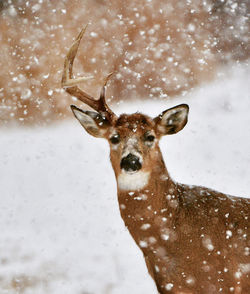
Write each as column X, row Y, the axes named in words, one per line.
column 115, row 139
column 149, row 138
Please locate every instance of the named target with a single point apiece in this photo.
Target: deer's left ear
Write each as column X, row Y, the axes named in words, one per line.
column 172, row 120
column 93, row 122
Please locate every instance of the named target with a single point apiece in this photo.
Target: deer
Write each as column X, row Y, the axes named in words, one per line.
column 194, row 240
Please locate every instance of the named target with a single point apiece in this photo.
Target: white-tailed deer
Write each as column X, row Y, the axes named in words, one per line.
column 194, row 240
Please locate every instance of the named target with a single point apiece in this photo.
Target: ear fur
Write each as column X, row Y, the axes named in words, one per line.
column 93, row 122
column 172, row 120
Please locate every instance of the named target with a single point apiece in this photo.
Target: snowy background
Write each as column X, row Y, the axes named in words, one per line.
column 61, row 231
column 157, row 49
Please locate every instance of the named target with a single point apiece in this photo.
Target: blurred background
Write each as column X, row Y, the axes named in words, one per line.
column 61, row 231
column 157, row 49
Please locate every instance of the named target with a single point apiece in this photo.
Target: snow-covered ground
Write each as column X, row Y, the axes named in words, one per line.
column 61, row 231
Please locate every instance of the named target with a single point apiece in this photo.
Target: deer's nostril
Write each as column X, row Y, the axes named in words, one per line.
column 130, row 163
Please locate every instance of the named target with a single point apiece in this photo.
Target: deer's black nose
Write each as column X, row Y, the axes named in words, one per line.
column 130, row 163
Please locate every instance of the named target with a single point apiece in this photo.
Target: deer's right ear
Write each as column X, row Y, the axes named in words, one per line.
column 172, row 120
column 93, row 122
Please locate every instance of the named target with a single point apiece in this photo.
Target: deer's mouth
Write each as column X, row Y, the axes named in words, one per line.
column 131, row 163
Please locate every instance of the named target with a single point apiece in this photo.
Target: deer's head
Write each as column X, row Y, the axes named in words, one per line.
column 133, row 138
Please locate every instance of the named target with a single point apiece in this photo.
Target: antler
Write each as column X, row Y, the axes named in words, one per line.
column 69, row 83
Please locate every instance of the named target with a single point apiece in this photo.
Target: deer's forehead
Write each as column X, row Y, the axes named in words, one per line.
column 134, row 122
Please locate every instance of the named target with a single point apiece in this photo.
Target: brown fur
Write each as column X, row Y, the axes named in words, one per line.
column 189, row 220
column 194, row 240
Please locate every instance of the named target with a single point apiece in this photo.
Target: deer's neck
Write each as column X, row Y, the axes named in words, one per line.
column 140, row 207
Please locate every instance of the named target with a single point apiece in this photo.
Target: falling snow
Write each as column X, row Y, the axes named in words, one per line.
column 62, row 212
column 60, row 224
column 157, row 50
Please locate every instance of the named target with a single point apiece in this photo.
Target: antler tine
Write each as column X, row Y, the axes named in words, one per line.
column 102, row 98
column 70, row 84
column 102, row 95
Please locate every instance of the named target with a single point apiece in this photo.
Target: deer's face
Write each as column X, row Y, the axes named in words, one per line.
column 133, row 140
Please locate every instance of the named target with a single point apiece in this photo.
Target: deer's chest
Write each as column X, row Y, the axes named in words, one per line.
column 151, row 225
